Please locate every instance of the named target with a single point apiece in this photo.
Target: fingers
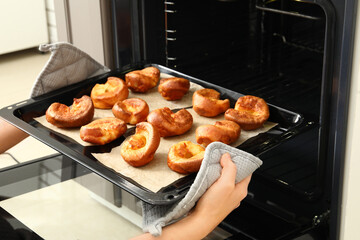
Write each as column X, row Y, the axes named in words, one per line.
column 228, row 172
column 241, row 188
column 237, row 192
column 245, row 181
column 225, row 159
column 228, row 175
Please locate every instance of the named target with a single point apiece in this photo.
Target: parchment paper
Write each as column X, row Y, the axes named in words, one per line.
column 156, row 174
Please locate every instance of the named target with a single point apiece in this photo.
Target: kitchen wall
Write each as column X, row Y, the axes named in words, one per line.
column 86, row 24
column 350, row 216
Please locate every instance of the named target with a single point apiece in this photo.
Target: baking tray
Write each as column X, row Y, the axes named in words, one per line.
column 22, row 116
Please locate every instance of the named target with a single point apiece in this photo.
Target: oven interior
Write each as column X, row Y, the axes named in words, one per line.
column 279, row 50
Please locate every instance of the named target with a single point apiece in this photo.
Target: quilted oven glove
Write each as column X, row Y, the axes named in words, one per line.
column 66, row 65
column 155, row 217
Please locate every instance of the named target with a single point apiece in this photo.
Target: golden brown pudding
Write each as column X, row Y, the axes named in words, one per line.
column 104, row 96
column 142, row 80
column 224, row 131
column 102, row 131
column 185, row 157
column 131, row 110
column 250, row 112
column 80, row 113
column 169, row 123
column 206, row 102
column 173, row 88
column 140, row 148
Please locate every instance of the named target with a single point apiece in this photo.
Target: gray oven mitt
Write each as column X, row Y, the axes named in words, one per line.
column 157, row 216
column 66, row 65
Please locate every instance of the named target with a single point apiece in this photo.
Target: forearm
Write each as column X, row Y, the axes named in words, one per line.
column 195, row 226
column 9, row 136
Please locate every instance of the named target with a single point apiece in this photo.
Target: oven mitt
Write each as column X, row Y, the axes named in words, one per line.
column 157, row 216
column 66, row 65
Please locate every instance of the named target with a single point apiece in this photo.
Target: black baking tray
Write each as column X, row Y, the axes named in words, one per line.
column 22, row 116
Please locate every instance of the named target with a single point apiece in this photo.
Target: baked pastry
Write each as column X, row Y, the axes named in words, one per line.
column 173, row 88
column 169, row 123
column 81, row 112
column 131, row 110
column 104, row 96
column 103, row 130
column 206, row 102
column 140, row 148
column 142, row 80
column 224, row 131
column 185, row 157
column 250, row 112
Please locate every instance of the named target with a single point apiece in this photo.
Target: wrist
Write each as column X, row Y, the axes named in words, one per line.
column 207, row 221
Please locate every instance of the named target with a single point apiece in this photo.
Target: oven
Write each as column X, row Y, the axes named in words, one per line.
column 294, row 54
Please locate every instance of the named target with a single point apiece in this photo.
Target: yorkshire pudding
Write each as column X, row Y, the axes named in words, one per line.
column 142, row 80
column 207, row 103
column 185, row 157
column 103, row 130
column 81, row 112
column 250, row 112
column 222, row 131
column 169, row 123
column 173, row 88
column 104, row 96
column 131, row 110
column 140, row 148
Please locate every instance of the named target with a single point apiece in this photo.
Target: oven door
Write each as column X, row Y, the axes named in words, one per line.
column 303, row 43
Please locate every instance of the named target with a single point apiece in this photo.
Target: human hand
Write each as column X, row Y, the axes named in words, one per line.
column 224, row 195
column 217, row 202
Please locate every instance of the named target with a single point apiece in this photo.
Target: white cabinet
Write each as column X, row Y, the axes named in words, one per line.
column 23, row 24
column 86, row 24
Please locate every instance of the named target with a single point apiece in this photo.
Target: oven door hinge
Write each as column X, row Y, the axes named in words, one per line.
column 322, row 218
